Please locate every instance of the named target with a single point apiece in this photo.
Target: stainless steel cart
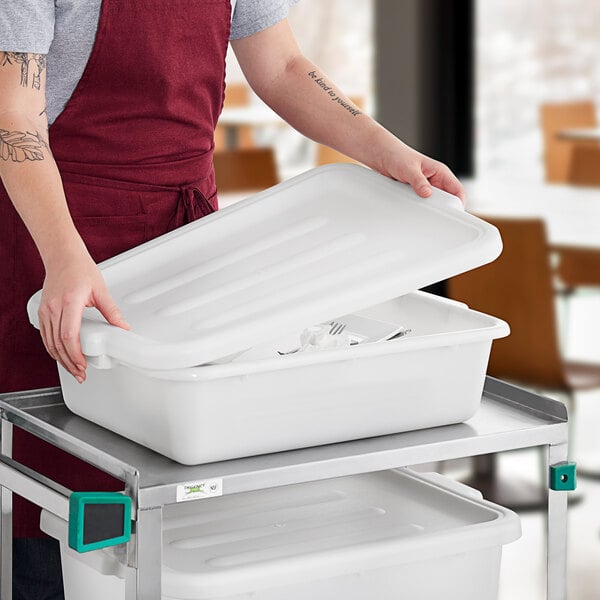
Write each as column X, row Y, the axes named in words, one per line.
column 509, row 418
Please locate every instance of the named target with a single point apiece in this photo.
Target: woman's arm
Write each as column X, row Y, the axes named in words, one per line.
column 33, row 183
column 307, row 99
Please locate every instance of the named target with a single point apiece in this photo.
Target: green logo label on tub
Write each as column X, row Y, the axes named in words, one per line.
column 195, row 490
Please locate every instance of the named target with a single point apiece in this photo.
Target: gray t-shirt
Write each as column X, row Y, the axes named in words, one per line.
column 65, row 30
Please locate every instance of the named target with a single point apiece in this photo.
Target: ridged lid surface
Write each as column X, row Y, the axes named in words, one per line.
column 329, row 242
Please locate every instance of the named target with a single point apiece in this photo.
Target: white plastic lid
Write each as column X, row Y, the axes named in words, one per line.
column 248, row 542
column 331, row 241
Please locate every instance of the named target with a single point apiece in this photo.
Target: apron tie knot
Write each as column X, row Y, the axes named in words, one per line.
column 193, row 204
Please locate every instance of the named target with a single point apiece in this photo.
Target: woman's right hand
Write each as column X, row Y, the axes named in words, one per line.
column 71, row 285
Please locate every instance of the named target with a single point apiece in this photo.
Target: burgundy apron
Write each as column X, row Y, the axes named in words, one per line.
column 134, row 149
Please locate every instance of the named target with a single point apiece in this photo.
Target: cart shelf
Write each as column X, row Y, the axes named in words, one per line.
column 508, row 418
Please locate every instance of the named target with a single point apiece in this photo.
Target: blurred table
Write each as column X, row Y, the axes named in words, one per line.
column 571, row 213
column 232, row 118
column 580, row 134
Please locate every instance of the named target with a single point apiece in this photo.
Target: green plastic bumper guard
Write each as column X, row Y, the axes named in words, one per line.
column 98, row 520
column 563, row 477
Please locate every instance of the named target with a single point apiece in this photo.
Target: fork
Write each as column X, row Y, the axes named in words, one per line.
column 335, row 328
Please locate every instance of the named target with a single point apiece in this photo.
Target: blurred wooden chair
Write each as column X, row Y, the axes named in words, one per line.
column 326, row 155
column 555, row 117
column 245, row 169
column 236, row 95
column 584, row 167
column 578, row 267
column 518, row 287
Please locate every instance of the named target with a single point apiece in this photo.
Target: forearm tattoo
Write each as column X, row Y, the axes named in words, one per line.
column 36, row 63
column 334, row 97
column 19, row 146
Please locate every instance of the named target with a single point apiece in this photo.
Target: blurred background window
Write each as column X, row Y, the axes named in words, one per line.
column 529, row 53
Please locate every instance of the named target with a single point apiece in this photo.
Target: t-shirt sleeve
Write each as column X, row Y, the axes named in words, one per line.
column 26, row 25
column 252, row 16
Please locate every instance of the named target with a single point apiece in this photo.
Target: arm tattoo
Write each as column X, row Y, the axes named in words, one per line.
column 333, row 96
column 25, row 59
column 19, row 146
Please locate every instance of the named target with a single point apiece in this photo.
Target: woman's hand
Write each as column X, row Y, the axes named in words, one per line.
column 402, row 163
column 70, row 286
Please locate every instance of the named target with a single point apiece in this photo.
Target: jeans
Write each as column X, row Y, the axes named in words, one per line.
column 37, row 572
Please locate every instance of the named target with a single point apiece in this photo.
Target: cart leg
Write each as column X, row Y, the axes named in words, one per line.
column 557, row 531
column 144, row 582
column 6, row 533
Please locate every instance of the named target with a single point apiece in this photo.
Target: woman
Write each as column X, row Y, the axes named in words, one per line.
column 133, row 93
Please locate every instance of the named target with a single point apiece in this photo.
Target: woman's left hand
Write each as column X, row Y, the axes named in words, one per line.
column 404, row 164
